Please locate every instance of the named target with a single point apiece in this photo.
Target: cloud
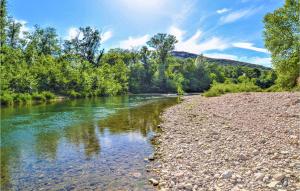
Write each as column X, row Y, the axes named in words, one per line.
column 106, row 36
column 234, row 16
column 220, row 55
column 72, row 33
column 23, row 28
column 193, row 43
column 134, row 42
column 221, row 11
column 185, row 9
column 178, row 33
column 264, row 61
column 249, row 46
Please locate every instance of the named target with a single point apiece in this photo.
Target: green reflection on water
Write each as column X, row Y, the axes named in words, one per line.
column 62, row 140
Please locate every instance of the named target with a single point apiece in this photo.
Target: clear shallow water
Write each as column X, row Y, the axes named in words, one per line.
column 95, row 144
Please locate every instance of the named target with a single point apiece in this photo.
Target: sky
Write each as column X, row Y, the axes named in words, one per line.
column 231, row 29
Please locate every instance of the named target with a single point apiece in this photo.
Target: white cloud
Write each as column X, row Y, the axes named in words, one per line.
column 264, row 61
column 177, row 32
column 193, row 43
column 220, row 55
column 249, row 46
column 234, row 16
column 106, row 36
column 221, row 11
column 185, row 9
column 134, row 42
column 72, row 33
column 23, row 28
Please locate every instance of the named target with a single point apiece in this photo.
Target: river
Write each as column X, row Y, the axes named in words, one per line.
column 89, row 144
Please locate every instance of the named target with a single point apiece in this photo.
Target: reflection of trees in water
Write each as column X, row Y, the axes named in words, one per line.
column 84, row 134
column 10, row 156
column 143, row 118
column 46, row 144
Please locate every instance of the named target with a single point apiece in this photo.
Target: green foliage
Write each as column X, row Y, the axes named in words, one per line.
column 218, row 89
column 22, row 98
column 86, row 44
column 37, row 67
column 6, row 99
column 283, row 41
column 3, row 22
column 163, row 44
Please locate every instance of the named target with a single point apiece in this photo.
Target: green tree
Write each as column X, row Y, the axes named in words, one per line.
column 86, row 44
column 145, row 55
column 164, row 44
column 282, row 38
column 13, row 33
column 3, row 22
column 42, row 41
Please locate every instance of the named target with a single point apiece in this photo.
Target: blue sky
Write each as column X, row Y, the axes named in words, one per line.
column 229, row 29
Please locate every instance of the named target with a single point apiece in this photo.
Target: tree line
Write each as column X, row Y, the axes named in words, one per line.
column 37, row 65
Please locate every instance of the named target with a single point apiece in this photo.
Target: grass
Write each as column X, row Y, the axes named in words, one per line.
column 218, row 89
column 10, row 98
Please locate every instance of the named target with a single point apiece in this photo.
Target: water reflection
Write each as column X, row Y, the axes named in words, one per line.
column 83, row 144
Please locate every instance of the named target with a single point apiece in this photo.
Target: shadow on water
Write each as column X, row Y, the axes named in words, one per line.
column 82, row 144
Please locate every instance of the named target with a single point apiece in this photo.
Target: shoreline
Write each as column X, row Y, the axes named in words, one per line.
column 242, row 141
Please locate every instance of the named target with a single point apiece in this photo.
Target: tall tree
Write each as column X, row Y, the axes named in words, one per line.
column 164, row 44
column 13, row 33
column 43, row 41
column 3, row 22
column 145, row 54
column 86, row 44
column 282, row 38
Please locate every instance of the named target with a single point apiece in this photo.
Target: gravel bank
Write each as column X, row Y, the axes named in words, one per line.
column 247, row 141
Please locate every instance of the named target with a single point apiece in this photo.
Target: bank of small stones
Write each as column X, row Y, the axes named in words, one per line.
column 247, row 141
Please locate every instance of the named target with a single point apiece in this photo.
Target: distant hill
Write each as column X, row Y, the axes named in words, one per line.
column 220, row 61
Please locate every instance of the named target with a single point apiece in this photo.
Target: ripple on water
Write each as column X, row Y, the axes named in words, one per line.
column 83, row 144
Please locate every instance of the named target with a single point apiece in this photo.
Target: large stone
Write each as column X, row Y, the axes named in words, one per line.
column 279, row 176
column 153, row 181
column 259, row 176
column 227, row 174
column 273, row 184
column 151, row 157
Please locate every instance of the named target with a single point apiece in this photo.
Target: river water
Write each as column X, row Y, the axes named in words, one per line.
column 91, row 144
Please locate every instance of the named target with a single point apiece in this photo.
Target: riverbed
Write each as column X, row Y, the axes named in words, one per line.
column 90, row 144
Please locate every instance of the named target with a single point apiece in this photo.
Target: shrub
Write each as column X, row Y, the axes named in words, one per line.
column 73, row 94
column 48, row 95
column 38, row 97
column 219, row 89
column 22, row 98
column 6, row 99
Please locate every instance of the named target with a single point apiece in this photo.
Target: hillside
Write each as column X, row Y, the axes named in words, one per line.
column 220, row 61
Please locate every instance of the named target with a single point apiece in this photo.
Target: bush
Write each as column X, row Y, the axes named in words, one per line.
column 73, row 94
column 48, row 95
column 22, row 98
column 6, row 99
column 39, row 97
column 219, row 89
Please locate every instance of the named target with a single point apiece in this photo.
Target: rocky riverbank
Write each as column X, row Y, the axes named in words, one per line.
column 247, row 141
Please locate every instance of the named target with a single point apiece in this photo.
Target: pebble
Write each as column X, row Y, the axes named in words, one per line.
column 279, row 176
column 238, row 141
column 273, row 184
column 259, row 176
column 227, row 174
column 153, row 181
